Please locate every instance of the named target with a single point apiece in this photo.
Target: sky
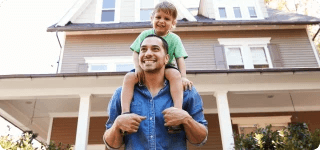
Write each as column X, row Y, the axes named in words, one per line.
column 25, row 46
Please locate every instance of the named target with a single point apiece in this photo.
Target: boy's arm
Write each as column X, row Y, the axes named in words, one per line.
column 138, row 71
column 182, row 68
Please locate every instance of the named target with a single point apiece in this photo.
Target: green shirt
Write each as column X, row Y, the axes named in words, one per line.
column 176, row 49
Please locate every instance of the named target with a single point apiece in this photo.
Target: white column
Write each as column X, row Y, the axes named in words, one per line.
column 49, row 130
column 83, row 122
column 224, row 120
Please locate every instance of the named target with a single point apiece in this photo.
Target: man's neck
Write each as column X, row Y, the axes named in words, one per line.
column 154, row 82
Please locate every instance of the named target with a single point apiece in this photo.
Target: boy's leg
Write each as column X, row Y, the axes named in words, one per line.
column 127, row 91
column 176, row 89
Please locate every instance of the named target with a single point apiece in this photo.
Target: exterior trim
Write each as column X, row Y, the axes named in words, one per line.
column 49, row 130
column 316, row 54
column 269, row 70
column 62, row 52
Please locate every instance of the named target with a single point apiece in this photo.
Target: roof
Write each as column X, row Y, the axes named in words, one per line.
column 276, row 17
column 239, row 71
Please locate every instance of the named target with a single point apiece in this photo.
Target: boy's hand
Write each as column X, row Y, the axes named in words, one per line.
column 139, row 74
column 186, row 84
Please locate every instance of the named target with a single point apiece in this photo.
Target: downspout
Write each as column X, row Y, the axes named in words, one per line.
column 314, row 37
column 60, row 52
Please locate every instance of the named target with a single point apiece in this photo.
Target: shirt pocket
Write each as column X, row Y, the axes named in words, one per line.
column 136, row 107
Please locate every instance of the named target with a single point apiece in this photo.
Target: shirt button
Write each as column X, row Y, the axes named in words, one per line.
column 151, row 136
column 150, row 118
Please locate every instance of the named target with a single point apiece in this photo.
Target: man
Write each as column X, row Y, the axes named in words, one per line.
column 151, row 108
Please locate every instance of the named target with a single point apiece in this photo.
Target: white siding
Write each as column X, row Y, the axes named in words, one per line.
column 206, row 8
column 127, row 11
column 88, row 15
column 263, row 8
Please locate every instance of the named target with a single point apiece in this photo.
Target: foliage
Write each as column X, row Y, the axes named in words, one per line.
column 24, row 142
column 295, row 137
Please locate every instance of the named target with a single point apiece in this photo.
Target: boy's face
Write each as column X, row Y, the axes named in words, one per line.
column 162, row 22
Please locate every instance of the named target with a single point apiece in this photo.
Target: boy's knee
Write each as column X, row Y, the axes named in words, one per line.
column 172, row 74
column 130, row 77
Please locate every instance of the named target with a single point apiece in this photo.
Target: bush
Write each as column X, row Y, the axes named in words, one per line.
column 295, row 137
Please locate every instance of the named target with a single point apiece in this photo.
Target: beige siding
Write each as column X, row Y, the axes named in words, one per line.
column 206, row 8
column 88, row 15
column 263, row 8
column 127, row 11
column 294, row 46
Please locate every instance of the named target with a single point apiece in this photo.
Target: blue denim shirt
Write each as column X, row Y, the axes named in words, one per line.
column 152, row 133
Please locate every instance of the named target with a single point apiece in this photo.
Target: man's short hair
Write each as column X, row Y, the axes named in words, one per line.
column 164, row 42
column 167, row 8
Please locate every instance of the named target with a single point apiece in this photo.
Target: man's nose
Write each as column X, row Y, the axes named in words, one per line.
column 148, row 52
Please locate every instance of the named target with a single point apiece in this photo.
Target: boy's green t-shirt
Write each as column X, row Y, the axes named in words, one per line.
column 176, row 49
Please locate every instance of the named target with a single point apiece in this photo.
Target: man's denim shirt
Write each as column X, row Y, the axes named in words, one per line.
column 152, row 133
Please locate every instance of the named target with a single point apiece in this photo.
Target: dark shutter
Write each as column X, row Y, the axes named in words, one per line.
column 275, row 55
column 220, row 58
column 83, row 67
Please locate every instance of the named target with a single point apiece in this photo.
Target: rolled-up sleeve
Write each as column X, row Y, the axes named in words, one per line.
column 195, row 109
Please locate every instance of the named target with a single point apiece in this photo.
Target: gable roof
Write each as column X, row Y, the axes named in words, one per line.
column 275, row 17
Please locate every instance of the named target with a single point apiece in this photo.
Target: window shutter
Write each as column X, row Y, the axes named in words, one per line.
column 220, row 57
column 275, row 55
column 83, row 67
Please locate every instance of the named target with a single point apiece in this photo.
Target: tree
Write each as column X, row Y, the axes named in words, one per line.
column 304, row 7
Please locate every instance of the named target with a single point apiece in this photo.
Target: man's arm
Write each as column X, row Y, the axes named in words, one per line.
column 126, row 122
column 195, row 132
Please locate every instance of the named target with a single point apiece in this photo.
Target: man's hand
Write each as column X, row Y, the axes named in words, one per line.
column 139, row 74
column 129, row 122
column 186, row 84
column 174, row 116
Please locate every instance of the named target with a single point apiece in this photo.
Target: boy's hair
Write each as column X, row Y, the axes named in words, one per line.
column 167, row 8
column 164, row 42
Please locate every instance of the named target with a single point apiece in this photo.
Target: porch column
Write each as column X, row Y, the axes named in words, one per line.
column 224, row 120
column 83, row 122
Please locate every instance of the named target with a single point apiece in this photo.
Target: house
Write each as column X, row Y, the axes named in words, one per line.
column 252, row 65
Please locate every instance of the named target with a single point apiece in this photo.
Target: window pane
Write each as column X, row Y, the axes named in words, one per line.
column 145, row 14
column 99, row 68
column 252, row 12
column 222, row 12
column 237, row 12
column 234, row 56
column 107, row 15
column 124, row 67
column 146, row 3
column 108, row 4
column 258, row 55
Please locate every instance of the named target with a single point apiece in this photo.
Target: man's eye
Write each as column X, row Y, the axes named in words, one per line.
column 143, row 50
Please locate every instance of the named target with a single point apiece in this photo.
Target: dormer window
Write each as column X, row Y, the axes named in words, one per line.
column 108, row 11
column 252, row 12
column 144, row 9
column 222, row 12
column 237, row 12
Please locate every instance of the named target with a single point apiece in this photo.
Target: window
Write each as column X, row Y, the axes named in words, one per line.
column 234, row 58
column 107, row 11
column 109, row 64
column 259, row 57
column 246, row 53
column 247, row 125
column 252, row 12
column 146, row 8
column 237, row 12
column 222, row 12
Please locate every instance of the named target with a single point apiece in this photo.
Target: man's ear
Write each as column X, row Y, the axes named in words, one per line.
column 167, row 58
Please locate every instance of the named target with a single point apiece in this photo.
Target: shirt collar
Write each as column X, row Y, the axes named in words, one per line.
column 164, row 84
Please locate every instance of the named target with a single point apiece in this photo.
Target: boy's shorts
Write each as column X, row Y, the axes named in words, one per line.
column 169, row 66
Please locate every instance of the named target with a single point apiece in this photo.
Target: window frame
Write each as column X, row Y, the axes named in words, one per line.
column 138, row 10
column 225, row 11
column 99, row 10
column 245, row 44
column 256, row 16
column 235, row 12
column 111, row 61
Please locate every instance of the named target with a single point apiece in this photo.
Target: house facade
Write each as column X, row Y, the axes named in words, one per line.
column 252, row 65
